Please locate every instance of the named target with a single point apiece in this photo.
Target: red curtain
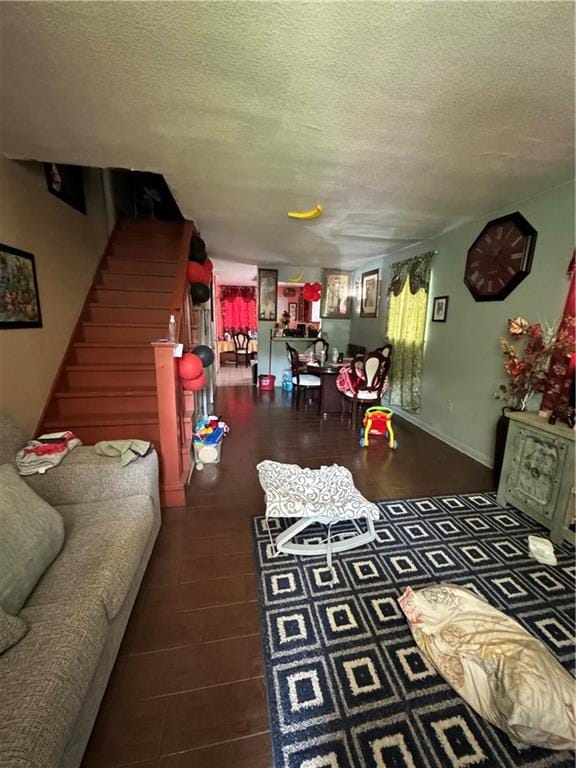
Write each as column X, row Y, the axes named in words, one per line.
column 560, row 380
column 238, row 308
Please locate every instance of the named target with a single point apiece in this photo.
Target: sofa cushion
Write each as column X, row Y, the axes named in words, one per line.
column 12, row 438
column 44, row 680
column 101, row 554
column 12, row 630
column 32, row 536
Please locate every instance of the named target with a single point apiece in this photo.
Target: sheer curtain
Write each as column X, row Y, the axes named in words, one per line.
column 407, row 307
column 238, row 304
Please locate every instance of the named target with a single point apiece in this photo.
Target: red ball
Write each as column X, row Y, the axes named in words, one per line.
column 317, row 288
column 194, row 385
column 195, row 272
column 208, row 268
column 190, row 366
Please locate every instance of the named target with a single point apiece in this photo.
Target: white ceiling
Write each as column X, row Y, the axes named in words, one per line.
column 232, row 273
column 402, row 118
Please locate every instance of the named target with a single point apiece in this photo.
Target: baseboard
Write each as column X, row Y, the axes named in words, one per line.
column 481, row 458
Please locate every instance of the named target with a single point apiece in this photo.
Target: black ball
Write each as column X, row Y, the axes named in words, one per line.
column 199, row 292
column 197, row 249
column 206, row 354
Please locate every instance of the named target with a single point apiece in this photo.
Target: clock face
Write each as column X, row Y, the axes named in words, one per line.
column 500, row 257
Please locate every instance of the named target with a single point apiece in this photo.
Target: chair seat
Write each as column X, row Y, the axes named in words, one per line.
column 306, row 380
column 362, row 396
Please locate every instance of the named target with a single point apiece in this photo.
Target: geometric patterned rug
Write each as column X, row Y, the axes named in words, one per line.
column 347, row 687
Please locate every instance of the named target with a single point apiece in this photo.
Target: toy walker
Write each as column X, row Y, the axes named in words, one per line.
column 378, row 421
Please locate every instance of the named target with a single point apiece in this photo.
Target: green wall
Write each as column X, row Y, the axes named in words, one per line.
column 336, row 331
column 462, row 362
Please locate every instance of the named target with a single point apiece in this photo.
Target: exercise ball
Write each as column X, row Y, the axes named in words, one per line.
column 200, row 293
column 196, row 273
column 206, row 354
column 189, row 366
column 194, row 385
column 197, row 250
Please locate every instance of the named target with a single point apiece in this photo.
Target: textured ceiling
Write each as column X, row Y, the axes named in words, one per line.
column 402, row 118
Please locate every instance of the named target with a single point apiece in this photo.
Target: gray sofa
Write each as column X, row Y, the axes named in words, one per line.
column 53, row 680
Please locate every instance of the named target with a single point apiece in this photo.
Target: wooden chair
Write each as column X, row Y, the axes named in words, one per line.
column 241, row 342
column 301, row 382
column 375, row 367
column 317, row 346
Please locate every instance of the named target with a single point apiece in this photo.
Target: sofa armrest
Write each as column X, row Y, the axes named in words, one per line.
column 84, row 476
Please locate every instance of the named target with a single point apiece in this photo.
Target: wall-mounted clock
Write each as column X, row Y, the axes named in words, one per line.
column 500, row 257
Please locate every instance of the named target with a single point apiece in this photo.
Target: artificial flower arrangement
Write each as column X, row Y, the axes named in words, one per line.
column 527, row 360
column 285, row 318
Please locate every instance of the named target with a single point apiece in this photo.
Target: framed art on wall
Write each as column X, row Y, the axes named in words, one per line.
column 293, row 310
column 19, row 300
column 336, row 293
column 67, row 183
column 440, row 309
column 370, row 293
column 267, row 294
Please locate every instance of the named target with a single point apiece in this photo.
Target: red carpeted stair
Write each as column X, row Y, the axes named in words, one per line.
column 106, row 387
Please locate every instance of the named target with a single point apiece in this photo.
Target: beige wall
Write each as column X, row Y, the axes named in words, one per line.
column 67, row 247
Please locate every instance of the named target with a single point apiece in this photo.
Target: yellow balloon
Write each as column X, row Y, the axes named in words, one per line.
column 313, row 214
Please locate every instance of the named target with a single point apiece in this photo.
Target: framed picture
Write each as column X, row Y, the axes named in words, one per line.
column 370, row 296
column 267, row 294
column 67, row 183
column 440, row 309
column 336, row 293
column 19, row 301
column 293, row 310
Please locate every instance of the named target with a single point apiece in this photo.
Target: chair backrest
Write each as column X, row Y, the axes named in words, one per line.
column 376, row 368
column 319, row 345
column 294, row 361
column 241, row 340
column 385, row 350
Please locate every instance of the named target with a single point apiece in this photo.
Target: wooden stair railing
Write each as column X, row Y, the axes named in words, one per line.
column 175, row 407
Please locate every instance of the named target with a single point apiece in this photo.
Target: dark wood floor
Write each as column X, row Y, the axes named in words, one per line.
column 188, row 688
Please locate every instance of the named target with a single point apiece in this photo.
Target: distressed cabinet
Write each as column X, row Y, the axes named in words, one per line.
column 538, row 472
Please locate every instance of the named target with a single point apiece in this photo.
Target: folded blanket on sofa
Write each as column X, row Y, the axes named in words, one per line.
column 127, row 450
column 45, row 452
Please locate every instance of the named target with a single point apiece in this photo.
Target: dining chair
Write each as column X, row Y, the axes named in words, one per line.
column 241, row 342
column 317, row 346
column 301, row 382
column 369, row 374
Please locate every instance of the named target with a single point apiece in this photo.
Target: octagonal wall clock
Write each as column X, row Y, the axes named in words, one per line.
column 500, row 257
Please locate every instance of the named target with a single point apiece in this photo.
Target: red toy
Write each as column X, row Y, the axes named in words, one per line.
column 378, row 421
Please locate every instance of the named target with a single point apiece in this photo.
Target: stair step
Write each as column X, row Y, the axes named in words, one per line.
column 133, row 298
column 118, row 314
column 147, row 266
column 121, row 332
column 135, row 281
column 145, row 251
column 119, row 375
column 111, row 426
column 154, row 226
column 94, row 353
column 99, row 402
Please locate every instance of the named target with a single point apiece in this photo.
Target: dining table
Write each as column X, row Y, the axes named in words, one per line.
column 330, row 397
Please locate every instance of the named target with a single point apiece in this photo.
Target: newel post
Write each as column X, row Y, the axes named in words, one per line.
column 171, row 486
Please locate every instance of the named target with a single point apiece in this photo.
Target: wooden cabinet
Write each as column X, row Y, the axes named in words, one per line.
column 538, row 472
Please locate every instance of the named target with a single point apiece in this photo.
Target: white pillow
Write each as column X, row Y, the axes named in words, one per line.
column 505, row 674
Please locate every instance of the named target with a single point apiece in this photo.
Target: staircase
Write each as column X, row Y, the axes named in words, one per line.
column 106, row 386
